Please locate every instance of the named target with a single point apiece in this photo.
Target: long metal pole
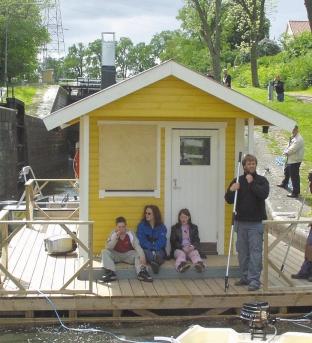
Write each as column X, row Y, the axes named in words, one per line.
column 6, row 53
column 226, row 278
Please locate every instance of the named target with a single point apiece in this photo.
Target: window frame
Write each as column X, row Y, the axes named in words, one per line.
column 133, row 193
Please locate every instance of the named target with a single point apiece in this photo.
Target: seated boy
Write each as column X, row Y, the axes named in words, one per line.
column 123, row 246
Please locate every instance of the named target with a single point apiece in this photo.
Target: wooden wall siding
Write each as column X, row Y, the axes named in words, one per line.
column 104, row 211
column 168, row 99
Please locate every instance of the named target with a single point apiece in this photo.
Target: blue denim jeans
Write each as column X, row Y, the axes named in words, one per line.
column 249, row 246
column 158, row 256
column 306, row 268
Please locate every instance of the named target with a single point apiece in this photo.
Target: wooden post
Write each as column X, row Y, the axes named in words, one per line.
column 4, row 230
column 265, row 258
column 90, row 246
column 29, row 201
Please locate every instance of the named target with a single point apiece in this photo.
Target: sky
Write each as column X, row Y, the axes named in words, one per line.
column 85, row 20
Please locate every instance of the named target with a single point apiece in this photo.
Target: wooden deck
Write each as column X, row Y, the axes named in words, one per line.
column 36, row 270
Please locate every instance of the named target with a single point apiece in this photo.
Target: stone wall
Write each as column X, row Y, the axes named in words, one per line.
column 24, row 140
column 61, row 99
column 47, row 150
column 8, row 154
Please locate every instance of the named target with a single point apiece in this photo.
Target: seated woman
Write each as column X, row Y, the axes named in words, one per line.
column 152, row 237
column 185, row 241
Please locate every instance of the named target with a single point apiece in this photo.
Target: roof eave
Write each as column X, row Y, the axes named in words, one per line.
column 155, row 74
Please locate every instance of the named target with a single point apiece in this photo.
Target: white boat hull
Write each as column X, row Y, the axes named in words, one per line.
column 199, row 334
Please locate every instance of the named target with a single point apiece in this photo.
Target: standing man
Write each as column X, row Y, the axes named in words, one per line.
column 227, row 79
column 123, row 246
column 279, row 88
column 252, row 190
column 294, row 154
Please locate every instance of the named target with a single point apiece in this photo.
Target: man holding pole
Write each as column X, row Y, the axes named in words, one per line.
column 252, row 190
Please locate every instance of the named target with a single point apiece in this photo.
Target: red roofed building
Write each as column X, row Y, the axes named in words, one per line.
column 297, row 27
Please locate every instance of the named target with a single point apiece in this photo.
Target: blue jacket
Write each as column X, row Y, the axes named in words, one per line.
column 152, row 238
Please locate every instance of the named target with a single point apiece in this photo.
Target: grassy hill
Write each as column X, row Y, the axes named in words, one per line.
column 299, row 111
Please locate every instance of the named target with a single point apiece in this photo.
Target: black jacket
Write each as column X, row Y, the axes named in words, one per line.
column 176, row 238
column 279, row 87
column 250, row 206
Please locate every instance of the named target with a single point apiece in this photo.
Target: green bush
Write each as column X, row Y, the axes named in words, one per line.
column 298, row 46
column 296, row 72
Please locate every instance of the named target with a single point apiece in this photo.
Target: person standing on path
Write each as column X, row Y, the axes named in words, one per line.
column 279, row 88
column 252, row 190
column 294, row 154
column 227, row 79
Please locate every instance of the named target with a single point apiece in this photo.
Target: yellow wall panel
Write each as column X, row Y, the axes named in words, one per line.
column 168, row 99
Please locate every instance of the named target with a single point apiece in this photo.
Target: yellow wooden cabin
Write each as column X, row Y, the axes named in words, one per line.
column 168, row 136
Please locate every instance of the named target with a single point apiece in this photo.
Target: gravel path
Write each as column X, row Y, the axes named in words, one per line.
column 278, row 204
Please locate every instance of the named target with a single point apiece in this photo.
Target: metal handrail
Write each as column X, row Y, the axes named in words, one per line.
column 33, row 189
column 289, row 225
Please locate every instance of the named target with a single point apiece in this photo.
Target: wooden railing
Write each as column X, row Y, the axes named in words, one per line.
column 33, row 192
column 6, row 238
column 288, row 227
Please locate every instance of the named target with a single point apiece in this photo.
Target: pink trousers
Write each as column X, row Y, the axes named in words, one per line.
column 187, row 253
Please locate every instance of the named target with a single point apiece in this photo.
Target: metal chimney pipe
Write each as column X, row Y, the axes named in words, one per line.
column 108, row 69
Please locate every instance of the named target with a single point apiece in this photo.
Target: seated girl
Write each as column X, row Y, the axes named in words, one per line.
column 152, row 237
column 185, row 241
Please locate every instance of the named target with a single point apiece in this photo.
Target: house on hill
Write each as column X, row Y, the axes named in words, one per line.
column 168, row 136
column 297, row 27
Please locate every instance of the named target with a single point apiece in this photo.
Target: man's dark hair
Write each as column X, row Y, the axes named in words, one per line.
column 120, row 220
column 249, row 157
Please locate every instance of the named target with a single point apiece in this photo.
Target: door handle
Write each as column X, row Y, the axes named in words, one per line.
column 175, row 184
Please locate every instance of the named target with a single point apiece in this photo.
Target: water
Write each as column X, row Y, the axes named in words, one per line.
column 140, row 332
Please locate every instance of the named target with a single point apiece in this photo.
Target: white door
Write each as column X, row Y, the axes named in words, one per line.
column 195, row 178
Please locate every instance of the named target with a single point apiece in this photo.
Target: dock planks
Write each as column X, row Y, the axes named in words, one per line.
column 29, row 263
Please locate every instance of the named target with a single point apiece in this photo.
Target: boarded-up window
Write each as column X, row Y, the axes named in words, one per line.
column 128, row 157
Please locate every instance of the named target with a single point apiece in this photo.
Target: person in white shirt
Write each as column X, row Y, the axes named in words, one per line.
column 294, row 154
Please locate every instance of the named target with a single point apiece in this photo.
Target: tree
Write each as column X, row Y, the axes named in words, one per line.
column 93, row 59
column 124, row 57
column 75, row 60
column 142, row 58
column 308, row 5
column 21, row 27
column 255, row 17
column 159, row 43
column 182, row 47
column 204, row 16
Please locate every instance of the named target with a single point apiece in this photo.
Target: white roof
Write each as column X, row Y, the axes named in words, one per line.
column 159, row 72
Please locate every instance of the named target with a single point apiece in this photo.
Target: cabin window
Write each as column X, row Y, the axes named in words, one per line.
column 195, row 151
column 128, row 160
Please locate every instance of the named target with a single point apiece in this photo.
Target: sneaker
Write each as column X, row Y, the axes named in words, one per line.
column 144, row 276
column 299, row 276
column 183, row 267
column 241, row 282
column 199, row 267
column 155, row 267
column 109, row 276
column 293, row 195
column 252, row 288
column 282, row 186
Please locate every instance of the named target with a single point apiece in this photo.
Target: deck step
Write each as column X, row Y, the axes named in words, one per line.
column 166, row 273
